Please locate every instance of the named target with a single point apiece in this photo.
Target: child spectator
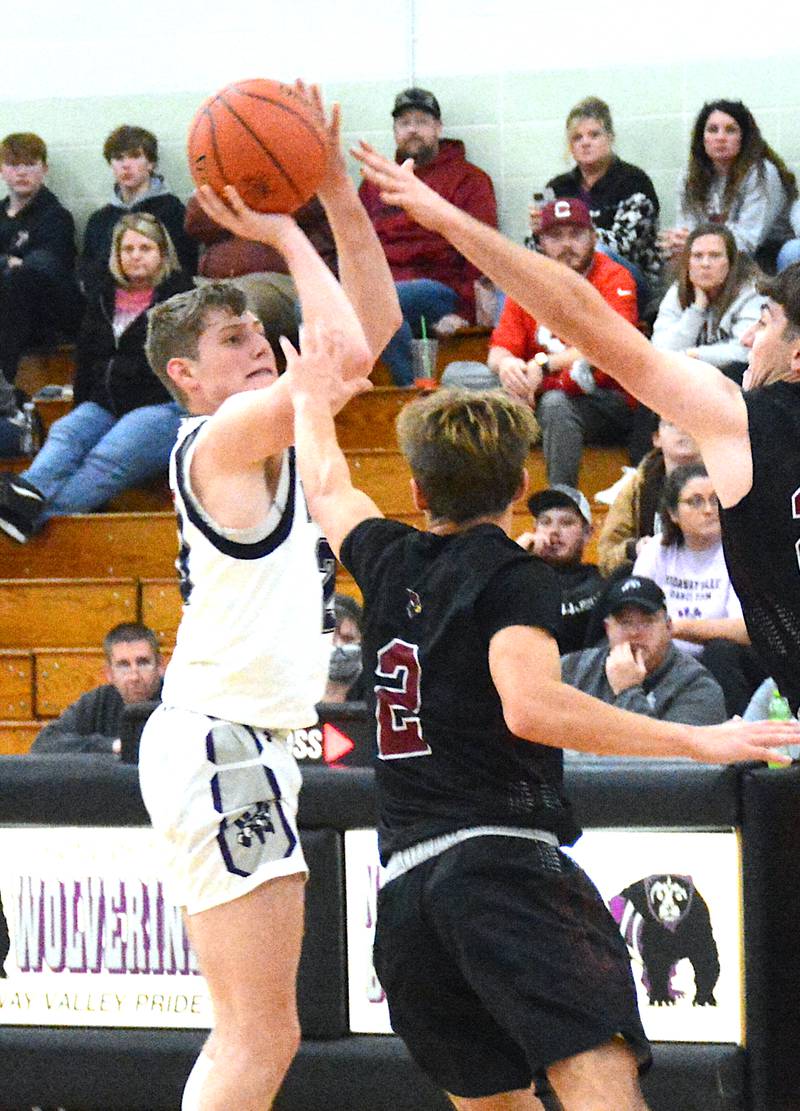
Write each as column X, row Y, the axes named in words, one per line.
column 132, row 154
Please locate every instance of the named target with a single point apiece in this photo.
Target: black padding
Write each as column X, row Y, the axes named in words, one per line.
column 771, row 870
column 144, row 1070
column 340, row 797
column 95, row 1070
column 322, row 980
column 696, row 1078
column 64, row 790
column 653, row 793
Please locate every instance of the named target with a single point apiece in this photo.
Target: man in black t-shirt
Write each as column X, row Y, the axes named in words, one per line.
column 563, row 529
column 749, row 441
column 498, row 957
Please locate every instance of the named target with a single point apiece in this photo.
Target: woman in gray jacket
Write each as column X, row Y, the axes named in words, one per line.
column 713, row 303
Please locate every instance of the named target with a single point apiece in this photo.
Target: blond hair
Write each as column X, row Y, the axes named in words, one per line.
column 151, row 227
column 467, row 450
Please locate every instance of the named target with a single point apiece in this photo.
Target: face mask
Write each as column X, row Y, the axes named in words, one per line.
column 345, row 663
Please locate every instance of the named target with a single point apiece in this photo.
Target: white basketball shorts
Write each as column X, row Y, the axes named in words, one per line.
column 224, row 798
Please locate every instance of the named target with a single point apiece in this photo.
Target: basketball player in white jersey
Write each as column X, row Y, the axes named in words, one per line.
column 251, row 659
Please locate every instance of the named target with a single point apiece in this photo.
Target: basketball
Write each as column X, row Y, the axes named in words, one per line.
column 262, row 137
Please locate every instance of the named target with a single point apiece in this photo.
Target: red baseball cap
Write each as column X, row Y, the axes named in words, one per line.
column 565, row 210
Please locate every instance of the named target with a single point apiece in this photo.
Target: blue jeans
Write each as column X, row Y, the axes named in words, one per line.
column 90, row 456
column 419, row 298
column 788, row 254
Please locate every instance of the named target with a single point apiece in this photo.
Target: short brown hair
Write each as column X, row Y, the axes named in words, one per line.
column 23, row 147
column 467, row 450
column 174, row 327
column 784, row 290
column 145, row 224
column 127, row 139
column 127, row 633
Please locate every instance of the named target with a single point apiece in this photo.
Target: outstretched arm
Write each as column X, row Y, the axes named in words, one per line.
column 552, row 713
column 363, row 269
column 322, row 298
column 333, row 501
column 691, row 394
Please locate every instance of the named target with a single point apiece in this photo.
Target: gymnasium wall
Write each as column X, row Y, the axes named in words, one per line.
column 505, row 71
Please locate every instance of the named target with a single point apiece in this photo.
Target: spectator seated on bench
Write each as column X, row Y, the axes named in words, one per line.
column 39, row 296
column 132, row 154
column 124, row 424
column 574, row 402
column 134, row 670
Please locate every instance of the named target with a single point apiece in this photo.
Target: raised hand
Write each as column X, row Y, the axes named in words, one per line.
column 735, row 741
column 399, row 186
column 232, row 213
column 336, row 167
column 315, row 372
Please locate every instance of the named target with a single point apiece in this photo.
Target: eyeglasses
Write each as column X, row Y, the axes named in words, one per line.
column 697, row 501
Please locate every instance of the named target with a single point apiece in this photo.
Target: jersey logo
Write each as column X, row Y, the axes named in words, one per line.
column 414, row 604
column 624, row 292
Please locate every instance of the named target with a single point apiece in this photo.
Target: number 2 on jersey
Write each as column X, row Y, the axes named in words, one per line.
column 398, row 702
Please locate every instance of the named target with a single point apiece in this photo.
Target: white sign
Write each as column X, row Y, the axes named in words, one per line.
column 676, row 896
column 92, row 937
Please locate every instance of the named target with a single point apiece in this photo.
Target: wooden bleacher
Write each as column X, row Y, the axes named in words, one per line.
column 66, row 587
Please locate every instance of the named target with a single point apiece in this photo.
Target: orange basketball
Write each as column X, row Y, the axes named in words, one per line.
column 262, row 137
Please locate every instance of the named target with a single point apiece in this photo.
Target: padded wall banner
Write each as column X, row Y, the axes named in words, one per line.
column 88, row 935
column 676, row 897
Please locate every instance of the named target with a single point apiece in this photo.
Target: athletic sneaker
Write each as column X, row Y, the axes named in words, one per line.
column 20, row 506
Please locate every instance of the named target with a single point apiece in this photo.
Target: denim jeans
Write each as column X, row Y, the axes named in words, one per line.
column 90, row 455
column 421, row 297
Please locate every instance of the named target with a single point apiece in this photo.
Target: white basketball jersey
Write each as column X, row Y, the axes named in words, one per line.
column 251, row 647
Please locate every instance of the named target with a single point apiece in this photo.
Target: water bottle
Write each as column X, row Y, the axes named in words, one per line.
column 779, row 710
column 28, row 444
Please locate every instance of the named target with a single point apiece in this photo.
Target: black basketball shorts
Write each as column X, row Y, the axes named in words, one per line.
column 498, row 958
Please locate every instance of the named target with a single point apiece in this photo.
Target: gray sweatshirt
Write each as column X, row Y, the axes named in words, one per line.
column 716, row 341
column 680, row 690
column 760, row 210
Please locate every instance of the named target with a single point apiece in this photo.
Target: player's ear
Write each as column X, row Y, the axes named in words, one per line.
column 418, row 496
column 180, row 371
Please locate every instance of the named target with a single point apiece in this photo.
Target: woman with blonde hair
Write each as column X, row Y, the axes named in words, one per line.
column 124, row 422
column 620, row 197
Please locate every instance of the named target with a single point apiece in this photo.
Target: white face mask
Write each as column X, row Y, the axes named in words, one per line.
column 345, row 663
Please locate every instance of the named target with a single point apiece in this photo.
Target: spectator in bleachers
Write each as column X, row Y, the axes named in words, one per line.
column 639, row 668
column 132, row 154
column 133, row 670
column 633, row 516
column 433, row 280
column 39, row 296
column 734, row 177
column 620, row 197
column 345, row 673
column 258, row 270
column 563, row 527
column 688, row 563
column 713, row 303
column 124, row 423
column 574, row 401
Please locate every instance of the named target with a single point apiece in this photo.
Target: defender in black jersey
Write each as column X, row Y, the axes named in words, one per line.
column 499, row 959
column 748, row 440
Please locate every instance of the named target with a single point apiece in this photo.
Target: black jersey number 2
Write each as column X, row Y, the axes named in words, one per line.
column 398, row 702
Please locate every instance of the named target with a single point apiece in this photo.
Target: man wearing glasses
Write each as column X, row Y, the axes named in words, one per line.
column 133, row 669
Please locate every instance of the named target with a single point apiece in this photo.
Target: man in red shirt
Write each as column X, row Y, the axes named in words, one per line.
column 433, row 280
column 574, row 401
